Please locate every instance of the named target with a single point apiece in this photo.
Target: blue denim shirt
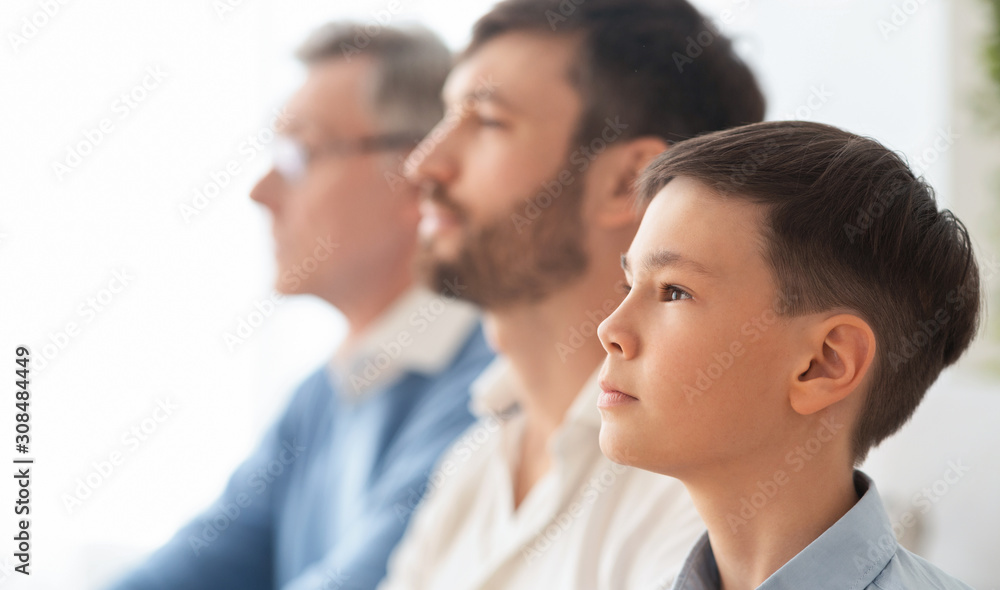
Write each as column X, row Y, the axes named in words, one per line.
column 858, row 552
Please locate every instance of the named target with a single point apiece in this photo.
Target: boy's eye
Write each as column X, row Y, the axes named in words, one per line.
column 626, row 287
column 673, row 293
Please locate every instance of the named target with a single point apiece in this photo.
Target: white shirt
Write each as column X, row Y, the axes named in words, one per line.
column 420, row 332
column 588, row 523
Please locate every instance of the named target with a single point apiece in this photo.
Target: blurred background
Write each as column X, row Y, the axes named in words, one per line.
column 139, row 273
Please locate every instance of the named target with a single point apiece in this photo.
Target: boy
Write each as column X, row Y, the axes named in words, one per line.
column 794, row 291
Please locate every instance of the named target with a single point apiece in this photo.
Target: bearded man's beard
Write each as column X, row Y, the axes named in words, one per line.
column 514, row 259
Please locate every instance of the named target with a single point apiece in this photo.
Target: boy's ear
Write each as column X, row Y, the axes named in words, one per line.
column 838, row 356
column 612, row 181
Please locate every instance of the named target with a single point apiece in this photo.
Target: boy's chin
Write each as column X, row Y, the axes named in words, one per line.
column 617, row 445
column 626, row 447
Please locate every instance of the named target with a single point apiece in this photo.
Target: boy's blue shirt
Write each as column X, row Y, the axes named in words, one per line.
column 859, row 552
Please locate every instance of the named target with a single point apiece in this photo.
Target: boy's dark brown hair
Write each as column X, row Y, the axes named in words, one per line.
column 848, row 226
column 659, row 65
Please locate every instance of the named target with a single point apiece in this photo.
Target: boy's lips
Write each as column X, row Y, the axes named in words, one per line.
column 612, row 396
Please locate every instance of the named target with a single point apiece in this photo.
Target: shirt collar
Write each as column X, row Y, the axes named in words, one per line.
column 699, row 571
column 849, row 554
column 495, row 392
column 420, row 332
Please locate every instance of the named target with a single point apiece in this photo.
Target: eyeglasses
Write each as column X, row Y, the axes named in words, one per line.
column 292, row 158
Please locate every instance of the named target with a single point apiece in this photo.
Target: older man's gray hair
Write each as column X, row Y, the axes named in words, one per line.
column 411, row 66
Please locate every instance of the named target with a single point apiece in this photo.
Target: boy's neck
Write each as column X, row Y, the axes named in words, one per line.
column 758, row 519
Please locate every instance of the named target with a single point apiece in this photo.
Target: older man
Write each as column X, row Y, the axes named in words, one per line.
column 329, row 491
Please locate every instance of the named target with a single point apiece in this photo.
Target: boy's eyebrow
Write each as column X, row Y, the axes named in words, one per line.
column 661, row 258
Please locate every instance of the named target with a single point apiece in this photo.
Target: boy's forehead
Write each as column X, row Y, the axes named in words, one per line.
column 690, row 219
